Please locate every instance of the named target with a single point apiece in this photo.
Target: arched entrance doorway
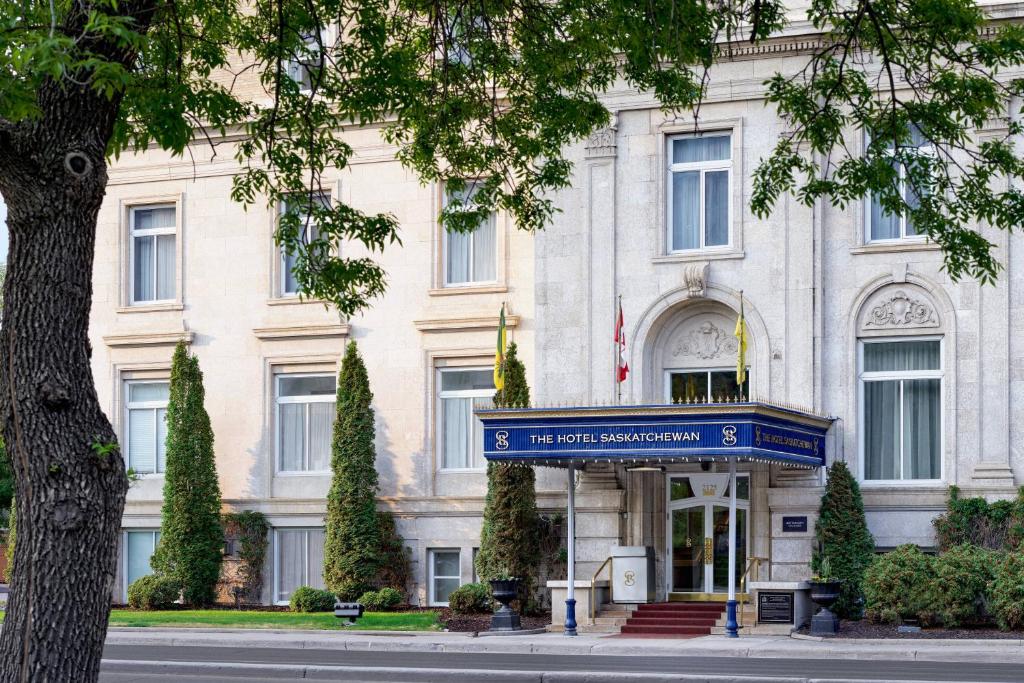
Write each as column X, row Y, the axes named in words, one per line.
column 698, row 531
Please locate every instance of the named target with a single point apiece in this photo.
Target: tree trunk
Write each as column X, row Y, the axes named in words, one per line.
column 70, row 479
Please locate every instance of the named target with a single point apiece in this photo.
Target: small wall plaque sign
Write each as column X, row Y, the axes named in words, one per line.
column 794, row 524
column 774, row 608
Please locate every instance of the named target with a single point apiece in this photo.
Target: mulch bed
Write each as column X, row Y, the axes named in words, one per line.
column 474, row 623
column 863, row 629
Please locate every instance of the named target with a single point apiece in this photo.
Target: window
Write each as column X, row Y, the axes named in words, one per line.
column 139, row 547
column 901, row 388
column 145, row 425
column 699, row 204
column 305, row 67
column 445, row 575
column 460, row 433
column 305, row 418
column 289, row 286
column 884, row 226
column 298, row 561
column 470, row 258
column 705, row 386
column 153, row 253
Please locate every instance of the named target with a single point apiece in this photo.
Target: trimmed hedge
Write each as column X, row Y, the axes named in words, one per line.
column 154, row 592
column 1006, row 592
column 962, row 576
column 307, row 599
column 381, row 600
column 470, row 598
column 897, row 585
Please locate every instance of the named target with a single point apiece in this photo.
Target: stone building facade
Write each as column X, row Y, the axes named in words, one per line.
column 850, row 314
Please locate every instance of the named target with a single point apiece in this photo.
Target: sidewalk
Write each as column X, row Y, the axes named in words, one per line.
column 996, row 651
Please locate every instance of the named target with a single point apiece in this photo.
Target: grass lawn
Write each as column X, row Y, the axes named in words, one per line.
column 373, row 621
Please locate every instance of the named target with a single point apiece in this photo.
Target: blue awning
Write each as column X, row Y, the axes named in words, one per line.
column 749, row 431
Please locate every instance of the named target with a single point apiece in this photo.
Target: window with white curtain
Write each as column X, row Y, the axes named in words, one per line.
column 153, row 253
column 288, row 285
column 470, row 258
column 445, row 575
column 139, row 547
column 699, row 206
column 901, row 409
column 460, row 432
column 884, row 226
column 305, row 66
column 298, row 561
column 145, row 425
column 305, row 420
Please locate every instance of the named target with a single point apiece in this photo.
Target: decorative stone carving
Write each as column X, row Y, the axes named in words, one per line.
column 601, row 143
column 899, row 310
column 705, row 341
column 695, row 279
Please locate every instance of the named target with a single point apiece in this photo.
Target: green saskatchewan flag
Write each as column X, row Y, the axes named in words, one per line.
column 499, row 356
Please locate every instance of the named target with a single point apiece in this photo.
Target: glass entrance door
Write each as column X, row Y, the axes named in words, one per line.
column 699, row 532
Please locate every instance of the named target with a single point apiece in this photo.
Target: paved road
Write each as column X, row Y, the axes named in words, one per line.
column 163, row 664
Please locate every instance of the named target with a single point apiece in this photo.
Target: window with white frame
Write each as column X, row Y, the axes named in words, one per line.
column 308, row 61
column 884, row 226
column 153, row 253
column 470, row 257
column 699, row 204
column 145, row 425
column 300, row 206
column 305, row 419
column 901, row 409
column 445, row 574
column 460, row 432
column 298, row 561
column 139, row 546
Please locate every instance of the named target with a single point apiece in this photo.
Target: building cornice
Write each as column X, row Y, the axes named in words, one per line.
column 302, row 331
column 464, row 324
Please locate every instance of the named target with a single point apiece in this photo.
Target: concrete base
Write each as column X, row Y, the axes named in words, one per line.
column 520, row 632
column 559, row 590
column 802, row 605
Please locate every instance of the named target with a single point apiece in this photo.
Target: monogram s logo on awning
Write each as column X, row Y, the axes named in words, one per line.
column 729, row 435
column 501, row 440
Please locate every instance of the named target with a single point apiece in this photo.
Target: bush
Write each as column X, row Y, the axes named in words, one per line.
column 843, row 538
column 306, row 599
column 975, row 521
column 154, row 592
column 382, row 600
column 191, row 545
column 470, row 598
column 962, row 575
column 394, row 555
column 897, row 585
column 352, row 548
column 1006, row 592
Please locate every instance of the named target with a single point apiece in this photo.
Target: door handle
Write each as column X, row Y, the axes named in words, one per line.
column 708, row 551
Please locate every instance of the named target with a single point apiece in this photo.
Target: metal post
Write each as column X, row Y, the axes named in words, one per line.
column 731, row 627
column 570, row 601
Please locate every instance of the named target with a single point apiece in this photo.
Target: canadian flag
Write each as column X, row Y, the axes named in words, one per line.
column 622, row 367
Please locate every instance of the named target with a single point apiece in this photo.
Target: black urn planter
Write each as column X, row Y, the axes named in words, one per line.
column 505, row 591
column 825, row 594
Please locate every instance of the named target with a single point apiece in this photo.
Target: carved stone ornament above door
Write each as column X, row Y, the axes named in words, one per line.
column 898, row 309
column 705, row 341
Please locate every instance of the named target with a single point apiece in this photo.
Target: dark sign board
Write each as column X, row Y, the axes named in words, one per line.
column 774, row 608
column 794, row 523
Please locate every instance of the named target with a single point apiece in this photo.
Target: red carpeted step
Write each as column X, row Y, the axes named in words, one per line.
column 668, row 630
column 671, row 621
column 675, row 607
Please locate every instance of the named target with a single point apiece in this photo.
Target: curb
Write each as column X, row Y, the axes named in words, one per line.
column 425, row 675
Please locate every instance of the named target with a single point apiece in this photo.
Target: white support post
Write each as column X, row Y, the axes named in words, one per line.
column 731, row 626
column 570, row 601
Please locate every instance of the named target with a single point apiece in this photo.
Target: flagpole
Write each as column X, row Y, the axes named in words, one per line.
column 618, row 353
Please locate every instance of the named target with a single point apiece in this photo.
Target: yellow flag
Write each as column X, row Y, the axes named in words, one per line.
column 499, row 356
column 741, row 347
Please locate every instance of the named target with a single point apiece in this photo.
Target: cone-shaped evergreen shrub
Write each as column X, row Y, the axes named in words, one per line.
column 352, row 549
column 509, row 541
column 191, row 538
column 843, row 537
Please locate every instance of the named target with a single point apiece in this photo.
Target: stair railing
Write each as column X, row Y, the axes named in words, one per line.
column 755, row 564
column 593, row 587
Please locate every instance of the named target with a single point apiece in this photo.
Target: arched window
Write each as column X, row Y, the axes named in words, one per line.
column 900, row 387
